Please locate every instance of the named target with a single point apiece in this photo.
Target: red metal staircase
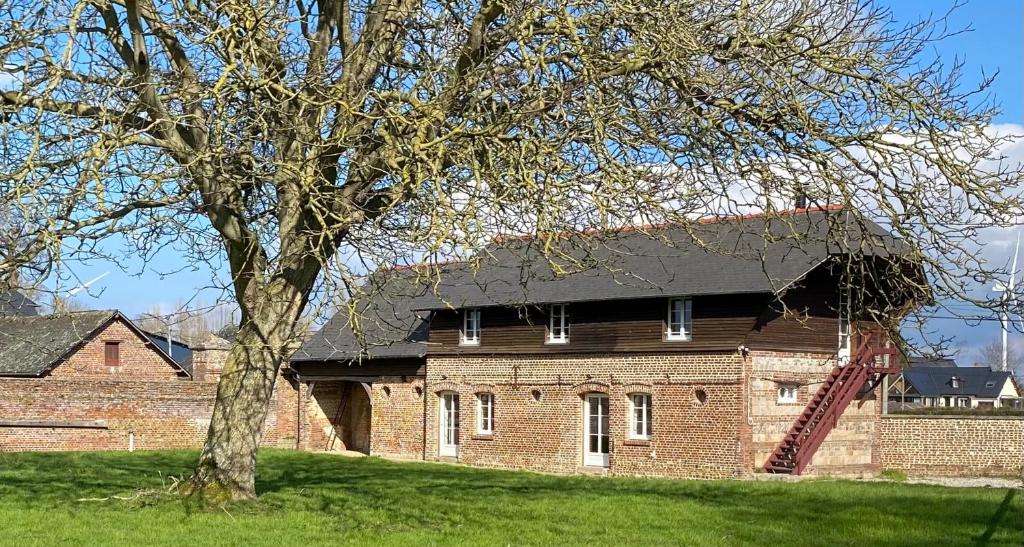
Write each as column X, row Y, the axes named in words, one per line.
column 813, row 425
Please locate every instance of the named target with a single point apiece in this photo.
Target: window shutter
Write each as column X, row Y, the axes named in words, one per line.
column 112, row 354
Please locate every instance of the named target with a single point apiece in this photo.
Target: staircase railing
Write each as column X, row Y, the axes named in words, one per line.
column 805, row 437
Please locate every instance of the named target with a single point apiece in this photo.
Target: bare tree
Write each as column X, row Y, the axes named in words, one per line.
column 186, row 322
column 309, row 143
column 991, row 355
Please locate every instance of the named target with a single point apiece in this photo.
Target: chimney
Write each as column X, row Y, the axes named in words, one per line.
column 801, row 201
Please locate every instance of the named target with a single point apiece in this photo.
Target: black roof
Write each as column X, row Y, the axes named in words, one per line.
column 980, row 382
column 179, row 351
column 741, row 255
column 389, row 327
column 755, row 254
column 33, row 345
column 14, row 302
column 917, row 361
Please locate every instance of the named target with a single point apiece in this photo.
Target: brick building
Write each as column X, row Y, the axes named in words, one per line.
column 90, row 344
column 669, row 353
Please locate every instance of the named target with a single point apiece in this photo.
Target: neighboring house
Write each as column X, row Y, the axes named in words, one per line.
column 960, row 387
column 14, row 303
column 918, row 361
column 177, row 350
column 82, row 345
column 657, row 358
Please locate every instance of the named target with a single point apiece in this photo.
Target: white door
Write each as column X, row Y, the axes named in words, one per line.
column 595, row 449
column 448, row 421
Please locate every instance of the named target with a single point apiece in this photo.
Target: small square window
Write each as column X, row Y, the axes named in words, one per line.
column 469, row 335
column 787, row 394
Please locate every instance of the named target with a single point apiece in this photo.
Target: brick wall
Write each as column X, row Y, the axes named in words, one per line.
column 849, row 449
column 48, row 414
column 208, row 363
column 160, row 414
column 397, row 417
column 138, row 359
column 953, row 446
column 695, row 434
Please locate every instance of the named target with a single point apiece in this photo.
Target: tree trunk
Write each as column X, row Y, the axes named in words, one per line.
column 227, row 465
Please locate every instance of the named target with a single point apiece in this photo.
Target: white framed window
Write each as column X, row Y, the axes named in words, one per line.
column 640, row 416
column 470, row 333
column 485, row 413
column 787, row 394
column 679, row 323
column 558, row 324
column 843, row 353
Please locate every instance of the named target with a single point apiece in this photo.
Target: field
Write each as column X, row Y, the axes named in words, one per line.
column 316, row 499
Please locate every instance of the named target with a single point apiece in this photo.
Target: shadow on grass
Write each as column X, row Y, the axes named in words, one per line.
column 371, row 494
column 997, row 518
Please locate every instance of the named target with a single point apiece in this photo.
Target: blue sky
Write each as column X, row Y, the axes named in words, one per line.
column 995, row 43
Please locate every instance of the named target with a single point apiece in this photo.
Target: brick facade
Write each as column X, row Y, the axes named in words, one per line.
column 953, row 446
column 138, row 360
column 698, row 405
column 397, row 417
column 849, row 449
column 715, row 414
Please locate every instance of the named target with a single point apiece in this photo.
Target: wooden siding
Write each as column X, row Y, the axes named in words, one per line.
column 719, row 323
column 812, row 321
column 368, row 368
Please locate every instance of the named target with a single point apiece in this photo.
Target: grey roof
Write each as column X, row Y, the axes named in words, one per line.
column 389, row 328
column 918, row 361
column 16, row 303
column 32, row 345
column 980, row 382
column 179, row 351
column 741, row 255
column 754, row 255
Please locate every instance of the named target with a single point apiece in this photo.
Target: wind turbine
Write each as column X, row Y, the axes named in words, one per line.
column 85, row 285
column 1004, row 309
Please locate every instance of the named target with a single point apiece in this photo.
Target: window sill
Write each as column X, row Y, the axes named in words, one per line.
column 672, row 340
column 483, row 437
column 636, row 442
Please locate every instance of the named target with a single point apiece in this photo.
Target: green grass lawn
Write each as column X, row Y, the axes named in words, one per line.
column 315, row 499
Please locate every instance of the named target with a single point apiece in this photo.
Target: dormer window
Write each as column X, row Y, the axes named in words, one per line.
column 558, row 324
column 955, row 382
column 470, row 333
column 679, row 323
